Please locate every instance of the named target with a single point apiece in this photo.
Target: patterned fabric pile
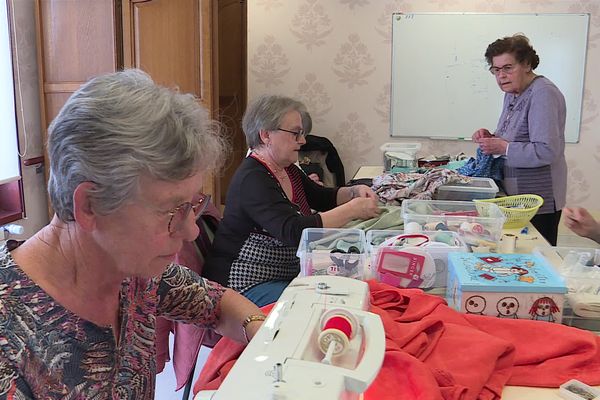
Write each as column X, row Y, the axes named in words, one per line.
column 392, row 189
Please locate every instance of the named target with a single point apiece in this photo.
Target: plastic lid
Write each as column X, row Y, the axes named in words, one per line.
column 477, row 185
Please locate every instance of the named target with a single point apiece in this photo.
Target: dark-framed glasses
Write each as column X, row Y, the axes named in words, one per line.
column 180, row 213
column 297, row 134
column 507, row 69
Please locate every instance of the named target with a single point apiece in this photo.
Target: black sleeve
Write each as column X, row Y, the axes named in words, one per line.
column 264, row 202
column 319, row 197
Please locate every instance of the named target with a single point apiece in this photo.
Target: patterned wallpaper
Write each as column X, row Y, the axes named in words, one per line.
column 335, row 56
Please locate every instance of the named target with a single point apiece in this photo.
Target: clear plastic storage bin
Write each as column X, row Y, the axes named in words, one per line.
column 478, row 224
column 340, row 252
column 440, row 244
column 400, row 155
column 477, row 188
column 578, row 266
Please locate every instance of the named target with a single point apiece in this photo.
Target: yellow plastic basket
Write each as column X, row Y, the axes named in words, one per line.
column 518, row 209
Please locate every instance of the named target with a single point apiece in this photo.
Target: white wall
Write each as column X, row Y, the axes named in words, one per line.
column 335, row 55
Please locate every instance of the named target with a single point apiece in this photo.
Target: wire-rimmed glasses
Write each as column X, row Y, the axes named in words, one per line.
column 507, row 69
column 180, row 213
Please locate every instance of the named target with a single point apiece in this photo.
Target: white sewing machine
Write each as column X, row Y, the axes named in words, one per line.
column 284, row 360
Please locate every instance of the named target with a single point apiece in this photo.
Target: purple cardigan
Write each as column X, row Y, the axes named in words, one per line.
column 534, row 125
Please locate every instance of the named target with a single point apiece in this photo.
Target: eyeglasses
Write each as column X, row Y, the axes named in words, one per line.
column 298, row 134
column 180, row 213
column 507, row 69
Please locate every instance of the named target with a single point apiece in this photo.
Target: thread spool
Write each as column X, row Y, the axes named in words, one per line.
column 412, row 227
column 338, row 327
column 508, row 243
column 335, row 336
column 472, row 227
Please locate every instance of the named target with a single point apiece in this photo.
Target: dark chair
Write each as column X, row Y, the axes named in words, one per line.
column 319, row 155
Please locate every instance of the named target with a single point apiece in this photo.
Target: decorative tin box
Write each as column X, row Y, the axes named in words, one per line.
column 519, row 286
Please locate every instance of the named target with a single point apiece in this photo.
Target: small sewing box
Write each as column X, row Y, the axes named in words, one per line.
column 516, row 286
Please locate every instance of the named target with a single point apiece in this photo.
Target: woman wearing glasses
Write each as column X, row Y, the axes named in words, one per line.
column 79, row 299
column 531, row 130
column 270, row 201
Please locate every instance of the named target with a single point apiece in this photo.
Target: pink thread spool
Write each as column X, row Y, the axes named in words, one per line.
column 472, row 227
column 338, row 327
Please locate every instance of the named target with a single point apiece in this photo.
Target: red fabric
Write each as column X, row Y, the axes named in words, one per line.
column 434, row 352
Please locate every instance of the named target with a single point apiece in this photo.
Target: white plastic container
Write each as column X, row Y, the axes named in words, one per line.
column 477, row 188
column 578, row 267
column 337, row 252
column 440, row 245
column 479, row 224
column 400, row 155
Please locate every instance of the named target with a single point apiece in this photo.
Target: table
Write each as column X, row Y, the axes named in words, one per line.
column 525, row 244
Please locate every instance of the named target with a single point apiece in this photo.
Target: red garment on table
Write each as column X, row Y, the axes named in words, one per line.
column 434, row 352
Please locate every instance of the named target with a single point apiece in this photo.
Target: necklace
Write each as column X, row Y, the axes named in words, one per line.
column 279, row 173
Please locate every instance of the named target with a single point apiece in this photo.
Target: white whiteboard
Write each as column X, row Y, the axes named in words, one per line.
column 441, row 86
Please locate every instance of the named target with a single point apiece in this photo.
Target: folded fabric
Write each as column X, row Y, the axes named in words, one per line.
column 389, row 218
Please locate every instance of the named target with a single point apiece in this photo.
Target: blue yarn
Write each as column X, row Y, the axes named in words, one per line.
column 484, row 166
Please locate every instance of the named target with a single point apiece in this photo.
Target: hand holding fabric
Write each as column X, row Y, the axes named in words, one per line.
column 493, row 145
column 363, row 191
column 481, row 134
column 364, row 207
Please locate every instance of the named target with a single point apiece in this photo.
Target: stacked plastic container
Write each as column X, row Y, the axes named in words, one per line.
column 478, row 224
column 400, row 155
column 338, row 252
column 580, row 268
column 477, row 188
column 438, row 246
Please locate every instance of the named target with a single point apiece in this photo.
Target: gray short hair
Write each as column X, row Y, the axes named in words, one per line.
column 119, row 126
column 306, row 122
column 266, row 113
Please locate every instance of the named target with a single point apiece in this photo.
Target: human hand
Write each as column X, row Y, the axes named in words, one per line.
column 580, row 221
column 364, row 208
column 493, row 145
column 363, row 191
column 315, row 178
column 481, row 134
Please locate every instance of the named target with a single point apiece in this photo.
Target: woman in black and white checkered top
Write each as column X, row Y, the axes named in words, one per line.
column 270, row 201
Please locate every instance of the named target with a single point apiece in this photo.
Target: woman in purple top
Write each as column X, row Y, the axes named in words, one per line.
column 531, row 130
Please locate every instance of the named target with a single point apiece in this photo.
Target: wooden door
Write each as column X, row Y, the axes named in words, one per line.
column 173, row 41
column 232, row 82
column 77, row 40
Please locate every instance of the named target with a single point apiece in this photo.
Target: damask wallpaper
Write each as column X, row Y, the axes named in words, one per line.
column 335, row 56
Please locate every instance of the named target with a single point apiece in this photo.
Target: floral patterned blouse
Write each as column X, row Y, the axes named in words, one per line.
column 47, row 352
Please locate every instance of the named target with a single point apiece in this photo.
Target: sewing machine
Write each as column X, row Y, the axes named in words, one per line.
column 297, row 355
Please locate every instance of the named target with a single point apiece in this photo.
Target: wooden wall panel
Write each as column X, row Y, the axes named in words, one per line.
column 78, row 39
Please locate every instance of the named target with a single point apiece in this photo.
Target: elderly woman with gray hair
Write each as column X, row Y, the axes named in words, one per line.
column 270, row 202
column 79, row 299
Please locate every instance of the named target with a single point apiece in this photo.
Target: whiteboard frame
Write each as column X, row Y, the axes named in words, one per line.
column 467, row 99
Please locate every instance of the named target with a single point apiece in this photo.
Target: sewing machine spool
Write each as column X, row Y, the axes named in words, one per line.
column 338, row 327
